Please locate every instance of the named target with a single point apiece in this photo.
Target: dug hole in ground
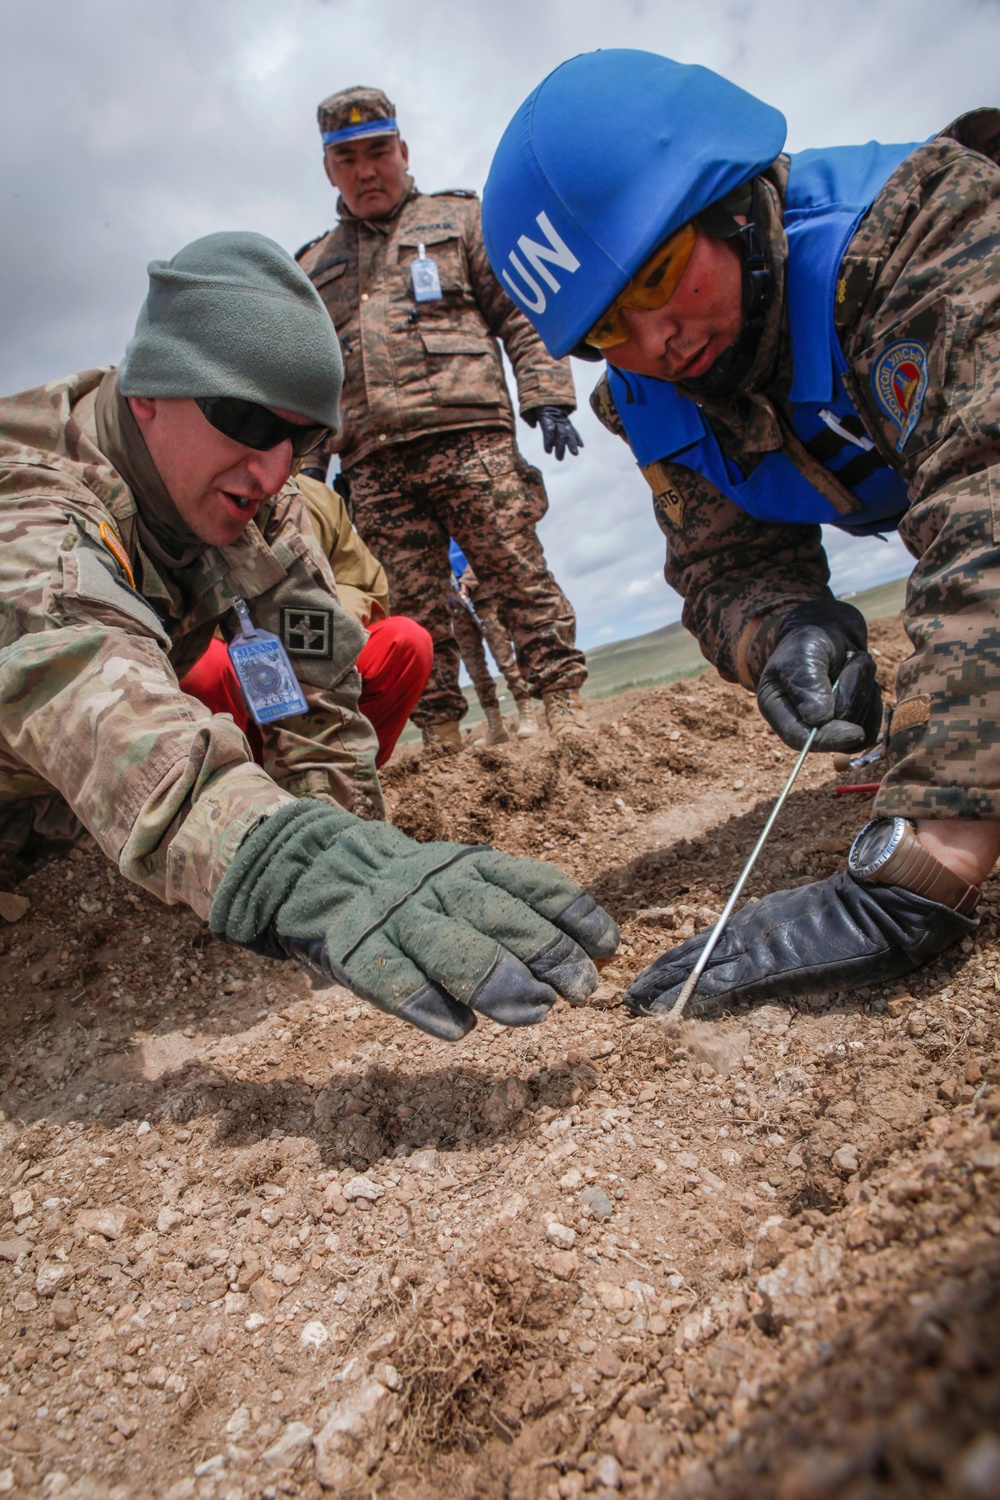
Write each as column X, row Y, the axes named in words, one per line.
column 260, row 1240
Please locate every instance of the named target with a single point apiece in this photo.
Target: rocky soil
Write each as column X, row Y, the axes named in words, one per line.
column 259, row 1240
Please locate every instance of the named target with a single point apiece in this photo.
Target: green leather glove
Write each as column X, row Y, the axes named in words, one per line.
column 428, row 932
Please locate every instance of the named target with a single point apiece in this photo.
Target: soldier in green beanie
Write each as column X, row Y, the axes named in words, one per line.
column 140, row 509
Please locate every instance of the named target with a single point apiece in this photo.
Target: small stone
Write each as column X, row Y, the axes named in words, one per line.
column 272, row 1214
column 647, row 1093
column 504, row 1102
column 63, row 1313
column 109, row 1222
column 239, row 1422
column 127, row 1426
column 6, row 1480
column 565, row 1264
column 354, row 1437
column 210, row 1337
column 52, row 1274
column 235, row 1303
column 790, row 1292
column 334, row 1200
column 561, row 1236
column 314, row 1335
column 424, row 1161
column 845, row 1159
column 265, row 1293
column 25, row 1302
column 13, row 1249
column 380, row 1346
column 607, row 1472
column 916, row 1025
column 13, row 908
column 613, row 1298
column 156, row 1378
column 143, row 1128
column 977, row 1469
column 254, row 1321
column 213, row 1465
column 289, row 1448
column 571, row 1180
column 596, row 1200
column 607, row 1364
column 168, row 1219
column 21, row 1203
column 362, row 1187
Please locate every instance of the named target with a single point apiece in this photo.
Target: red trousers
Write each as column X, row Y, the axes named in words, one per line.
column 394, row 663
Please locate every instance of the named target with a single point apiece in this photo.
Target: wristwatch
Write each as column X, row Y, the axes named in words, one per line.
column 888, row 852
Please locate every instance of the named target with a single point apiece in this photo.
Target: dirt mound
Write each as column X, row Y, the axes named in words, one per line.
column 257, row 1239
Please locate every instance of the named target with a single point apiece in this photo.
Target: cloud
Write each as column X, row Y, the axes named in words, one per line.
column 130, row 129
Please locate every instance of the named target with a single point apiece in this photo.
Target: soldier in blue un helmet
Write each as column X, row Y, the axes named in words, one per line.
column 790, row 341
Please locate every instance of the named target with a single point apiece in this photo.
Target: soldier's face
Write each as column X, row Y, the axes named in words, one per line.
column 217, row 485
column 682, row 339
column 369, row 174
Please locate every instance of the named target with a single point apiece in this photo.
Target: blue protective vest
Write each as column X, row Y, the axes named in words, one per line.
column 829, row 192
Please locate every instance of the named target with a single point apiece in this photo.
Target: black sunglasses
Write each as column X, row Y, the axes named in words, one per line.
column 256, row 427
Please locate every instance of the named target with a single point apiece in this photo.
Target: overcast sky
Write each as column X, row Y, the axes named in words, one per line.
column 131, row 127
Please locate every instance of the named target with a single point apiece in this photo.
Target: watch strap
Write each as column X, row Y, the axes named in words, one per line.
column 915, row 869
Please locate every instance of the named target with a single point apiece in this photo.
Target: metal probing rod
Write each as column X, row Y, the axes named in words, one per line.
column 691, row 983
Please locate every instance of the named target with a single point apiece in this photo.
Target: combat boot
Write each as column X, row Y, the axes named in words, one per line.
column 445, row 737
column 564, row 713
column 496, row 732
column 527, row 724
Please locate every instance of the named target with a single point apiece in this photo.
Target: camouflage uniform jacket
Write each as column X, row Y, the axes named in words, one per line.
column 416, row 368
column 922, row 265
column 94, row 635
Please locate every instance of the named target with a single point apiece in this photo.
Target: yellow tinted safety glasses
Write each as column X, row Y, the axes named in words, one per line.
column 652, row 286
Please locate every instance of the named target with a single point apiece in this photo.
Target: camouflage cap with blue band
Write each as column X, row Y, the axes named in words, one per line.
column 354, row 113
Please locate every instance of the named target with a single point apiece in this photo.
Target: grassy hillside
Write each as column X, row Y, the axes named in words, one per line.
column 664, row 655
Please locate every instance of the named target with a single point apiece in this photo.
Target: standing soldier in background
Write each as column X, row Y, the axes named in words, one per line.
column 427, row 441
column 475, row 624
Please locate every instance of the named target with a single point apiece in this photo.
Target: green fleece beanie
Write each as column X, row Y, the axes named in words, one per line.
column 233, row 315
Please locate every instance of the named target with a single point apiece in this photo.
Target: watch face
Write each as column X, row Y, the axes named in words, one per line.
column 874, row 845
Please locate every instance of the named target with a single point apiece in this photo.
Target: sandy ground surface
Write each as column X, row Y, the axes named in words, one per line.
column 258, row 1240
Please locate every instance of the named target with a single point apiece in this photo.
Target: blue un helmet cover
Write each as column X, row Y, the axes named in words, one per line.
column 611, row 153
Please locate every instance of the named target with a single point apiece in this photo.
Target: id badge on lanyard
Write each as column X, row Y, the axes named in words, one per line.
column 266, row 676
column 426, row 281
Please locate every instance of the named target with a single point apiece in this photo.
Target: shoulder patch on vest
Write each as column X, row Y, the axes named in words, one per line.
column 666, row 494
column 910, row 714
column 899, row 384
column 454, row 193
column 307, row 632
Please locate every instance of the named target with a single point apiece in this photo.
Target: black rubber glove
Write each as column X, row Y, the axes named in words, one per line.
column 805, row 681
column 431, row 933
column 835, row 934
column 558, row 432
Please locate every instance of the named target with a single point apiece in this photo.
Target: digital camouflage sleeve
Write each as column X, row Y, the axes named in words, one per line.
column 92, row 639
